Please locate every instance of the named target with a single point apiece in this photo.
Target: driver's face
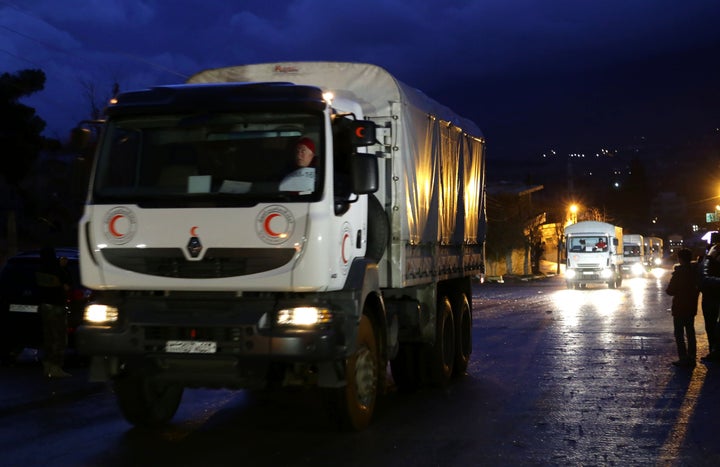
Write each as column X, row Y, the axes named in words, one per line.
column 303, row 155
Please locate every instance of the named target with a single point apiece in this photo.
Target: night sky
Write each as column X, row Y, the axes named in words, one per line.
column 569, row 75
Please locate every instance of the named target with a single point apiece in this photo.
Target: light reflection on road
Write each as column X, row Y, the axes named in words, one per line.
column 606, row 302
column 599, row 310
column 570, row 303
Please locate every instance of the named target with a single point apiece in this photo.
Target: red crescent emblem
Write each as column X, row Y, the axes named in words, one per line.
column 111, row 225
column 344, row 242
column 193, row 230
column 360, row 132
column 268, row 219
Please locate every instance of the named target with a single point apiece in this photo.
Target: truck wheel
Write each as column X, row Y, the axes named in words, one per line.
column 463, row 336
column 355, row 403
column 144, row 402
column 378, row 230
column 406, row 367
column 443, row 351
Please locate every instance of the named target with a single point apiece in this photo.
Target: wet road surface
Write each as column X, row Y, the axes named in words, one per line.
column 557, row 377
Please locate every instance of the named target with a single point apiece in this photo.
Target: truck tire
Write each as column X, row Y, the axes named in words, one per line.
column 443, row 350
column 378, row 230
column 354, row 404
column 144, row 402
column 463, row 335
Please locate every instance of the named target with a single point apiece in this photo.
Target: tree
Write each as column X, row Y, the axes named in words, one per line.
column 96, row 101
column 505, row 228
column 20, row 139
column 20, row 127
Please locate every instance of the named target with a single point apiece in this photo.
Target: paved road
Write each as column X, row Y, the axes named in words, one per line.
column 557, row 377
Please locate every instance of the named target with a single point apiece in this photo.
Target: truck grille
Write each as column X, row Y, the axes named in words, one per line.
column 217, row 262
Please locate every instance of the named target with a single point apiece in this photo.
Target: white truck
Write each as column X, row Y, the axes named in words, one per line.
column 633, row 255
column 594, row 254
column 675, row 242
column 654, row 252
column 207, row 274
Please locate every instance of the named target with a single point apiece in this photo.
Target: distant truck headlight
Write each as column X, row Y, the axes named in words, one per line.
column 637, row 269
column 570, row 273
column 100, row 314
column 657, row 261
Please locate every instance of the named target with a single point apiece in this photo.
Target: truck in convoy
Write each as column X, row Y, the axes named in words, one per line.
column 675, row 242
column 654, row 252
column 209, row 273
column 594, row 254
column 633, row 256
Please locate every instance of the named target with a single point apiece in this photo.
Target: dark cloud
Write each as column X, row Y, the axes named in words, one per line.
column 531, row 73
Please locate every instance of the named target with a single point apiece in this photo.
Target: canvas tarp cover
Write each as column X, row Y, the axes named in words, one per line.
column 440, row 152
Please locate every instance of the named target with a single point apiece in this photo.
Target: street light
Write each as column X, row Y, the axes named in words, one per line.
column 573, row 213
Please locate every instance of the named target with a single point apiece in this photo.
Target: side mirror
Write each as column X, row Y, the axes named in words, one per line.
column 79, row 137
column 364, row 173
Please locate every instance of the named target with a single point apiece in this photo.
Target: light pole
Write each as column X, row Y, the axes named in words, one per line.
column 573, row 213
column 571, row 219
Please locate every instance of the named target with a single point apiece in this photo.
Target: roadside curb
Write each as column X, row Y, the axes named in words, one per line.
column 523, row 278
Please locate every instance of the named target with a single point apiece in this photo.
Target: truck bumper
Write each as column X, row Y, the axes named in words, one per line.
column 244, row 349
column 591, row 275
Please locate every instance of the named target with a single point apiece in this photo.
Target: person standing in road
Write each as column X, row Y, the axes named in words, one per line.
column 683, row 287
column 53, row 286
column 710, row 287
column 710, row 267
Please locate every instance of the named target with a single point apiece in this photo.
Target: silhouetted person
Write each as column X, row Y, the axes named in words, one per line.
column 53, row 285
column 683, row 287
column 710, row 288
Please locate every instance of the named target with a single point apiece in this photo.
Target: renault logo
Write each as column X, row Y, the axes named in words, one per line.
column 194, row 247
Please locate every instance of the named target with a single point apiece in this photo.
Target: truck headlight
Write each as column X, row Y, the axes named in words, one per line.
column 606, row 273
column 637, row 269
column 570, row 273
column 303, row 316
column 100, row 314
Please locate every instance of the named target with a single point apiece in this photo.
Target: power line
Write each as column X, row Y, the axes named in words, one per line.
column 64, row 51
column 21, row 58
column 46, row 44
column 159, row 67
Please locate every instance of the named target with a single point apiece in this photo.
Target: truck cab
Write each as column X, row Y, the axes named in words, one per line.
column 634, row 256
column 594, row 254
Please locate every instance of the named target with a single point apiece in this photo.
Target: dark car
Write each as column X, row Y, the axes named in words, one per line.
column 20, row 325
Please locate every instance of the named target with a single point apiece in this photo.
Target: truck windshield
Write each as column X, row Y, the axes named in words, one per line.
column 631, row 250
column 226, row 159
column 587, row 244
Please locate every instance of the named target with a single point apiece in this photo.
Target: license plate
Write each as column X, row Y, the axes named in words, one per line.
column 23, row 308
column 190, row 347
column 588, row 273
